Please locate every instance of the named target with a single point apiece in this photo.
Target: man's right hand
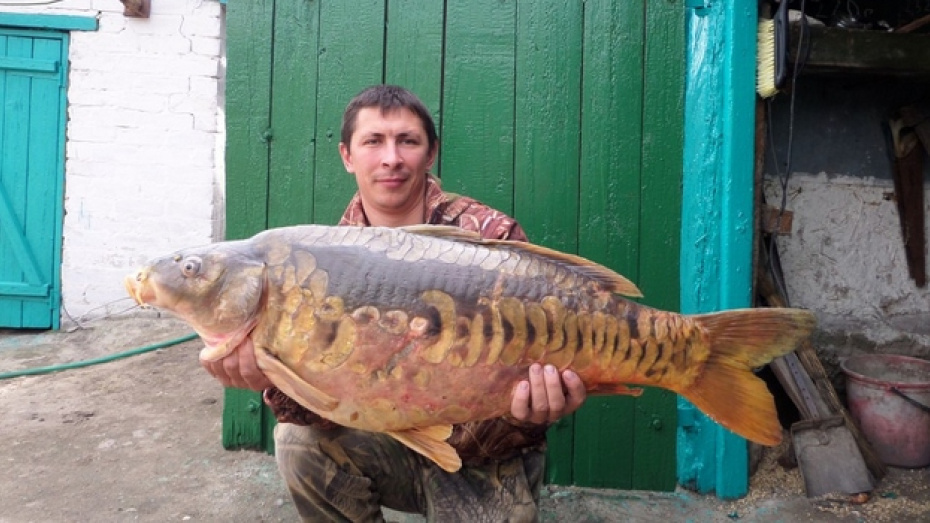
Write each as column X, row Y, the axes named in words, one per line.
column 238, row 369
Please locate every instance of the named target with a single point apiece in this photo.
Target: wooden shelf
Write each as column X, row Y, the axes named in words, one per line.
column 853, row 51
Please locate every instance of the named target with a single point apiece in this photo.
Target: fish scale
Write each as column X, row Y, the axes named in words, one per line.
column 406, row 331
column 333, row 261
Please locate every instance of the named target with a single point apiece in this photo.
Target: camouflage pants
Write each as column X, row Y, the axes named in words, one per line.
column 347, row 475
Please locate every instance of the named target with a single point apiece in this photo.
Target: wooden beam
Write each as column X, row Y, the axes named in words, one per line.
column 837, row 50
column 913, row 26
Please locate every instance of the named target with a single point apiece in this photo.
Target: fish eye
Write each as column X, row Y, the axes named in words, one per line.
column 190, row 266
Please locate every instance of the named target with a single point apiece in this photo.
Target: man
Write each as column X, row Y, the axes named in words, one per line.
column 335, row 473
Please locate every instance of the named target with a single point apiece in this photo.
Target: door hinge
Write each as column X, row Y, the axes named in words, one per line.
column 698, row 5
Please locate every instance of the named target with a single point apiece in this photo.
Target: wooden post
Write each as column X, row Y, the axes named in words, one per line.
column 717, row 215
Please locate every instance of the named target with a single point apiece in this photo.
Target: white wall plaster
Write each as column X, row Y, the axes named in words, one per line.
column 845, row 258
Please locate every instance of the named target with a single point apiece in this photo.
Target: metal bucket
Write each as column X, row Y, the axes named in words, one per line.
column 889, row 396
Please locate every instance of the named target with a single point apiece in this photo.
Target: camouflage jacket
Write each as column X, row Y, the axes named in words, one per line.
column 475, row 442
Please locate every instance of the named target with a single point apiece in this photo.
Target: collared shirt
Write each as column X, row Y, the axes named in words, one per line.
column 443, row 208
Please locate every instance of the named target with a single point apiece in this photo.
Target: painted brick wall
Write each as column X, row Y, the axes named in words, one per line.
column 144, row 143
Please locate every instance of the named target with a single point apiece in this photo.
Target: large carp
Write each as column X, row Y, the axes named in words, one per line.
column 408, row 331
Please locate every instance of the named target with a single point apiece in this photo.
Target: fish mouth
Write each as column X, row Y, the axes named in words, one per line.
column 138, row 288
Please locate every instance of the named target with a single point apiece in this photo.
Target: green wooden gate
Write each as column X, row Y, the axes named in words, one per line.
column 32, row 116
column 567, row 114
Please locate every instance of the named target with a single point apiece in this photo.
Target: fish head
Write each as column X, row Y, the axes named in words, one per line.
column 217, row 290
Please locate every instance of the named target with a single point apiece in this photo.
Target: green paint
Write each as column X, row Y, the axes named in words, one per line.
column 57, row 22
column 717, row 236
column 242, row 420
column 248, row 110
column 608, row 231
column 293, row 112
column 32, row 138
column 413, row 51
column 543, row 111
column 248, row 116
column 546, row 160
column 546, row 153
column 351, row 58
column 663, row 120
column 478, row 102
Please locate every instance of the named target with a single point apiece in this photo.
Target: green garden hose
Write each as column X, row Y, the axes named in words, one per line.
column 94, row 361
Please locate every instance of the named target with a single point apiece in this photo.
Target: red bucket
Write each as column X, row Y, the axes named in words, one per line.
column 889, row 396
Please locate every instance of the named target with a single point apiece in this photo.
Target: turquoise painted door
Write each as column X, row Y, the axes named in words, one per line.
column 32, row 80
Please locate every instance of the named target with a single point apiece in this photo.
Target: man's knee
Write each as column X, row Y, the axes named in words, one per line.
column 323, row 481
column 294, row 450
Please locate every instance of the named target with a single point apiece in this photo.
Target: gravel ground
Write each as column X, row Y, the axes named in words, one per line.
column 138, row 439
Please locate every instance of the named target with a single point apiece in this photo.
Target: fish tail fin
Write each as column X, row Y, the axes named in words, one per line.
column 739, row 341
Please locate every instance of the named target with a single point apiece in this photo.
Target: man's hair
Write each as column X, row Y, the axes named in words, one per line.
column 388, row 98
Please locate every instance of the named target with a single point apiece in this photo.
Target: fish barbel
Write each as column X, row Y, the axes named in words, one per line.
column 410, row 330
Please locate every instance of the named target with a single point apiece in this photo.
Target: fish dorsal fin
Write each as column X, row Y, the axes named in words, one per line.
column 611, row 280
column 431, row 442
column 293, row 385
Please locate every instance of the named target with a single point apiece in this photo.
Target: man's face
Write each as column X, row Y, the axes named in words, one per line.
column 389, row 156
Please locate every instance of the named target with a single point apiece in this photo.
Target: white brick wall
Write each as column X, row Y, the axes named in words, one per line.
column 144, row 145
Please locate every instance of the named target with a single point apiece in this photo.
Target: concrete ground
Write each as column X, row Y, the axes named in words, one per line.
column 138, row 439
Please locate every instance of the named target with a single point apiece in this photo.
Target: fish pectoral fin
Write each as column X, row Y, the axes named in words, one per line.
column 615, row 388
column 293, row 385
column 214, row 352
column 219, row 346
column 431, row 442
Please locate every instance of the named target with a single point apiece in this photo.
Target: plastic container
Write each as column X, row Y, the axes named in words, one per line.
column 889, row 396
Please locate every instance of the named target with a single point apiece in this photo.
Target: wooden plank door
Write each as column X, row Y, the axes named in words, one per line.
column 31, row 176
column 567, row 115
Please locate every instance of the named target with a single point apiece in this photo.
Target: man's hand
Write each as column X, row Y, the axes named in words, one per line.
column 239, row 369
column 542, row 398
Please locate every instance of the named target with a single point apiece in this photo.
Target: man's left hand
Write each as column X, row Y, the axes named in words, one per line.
column 547, row 395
